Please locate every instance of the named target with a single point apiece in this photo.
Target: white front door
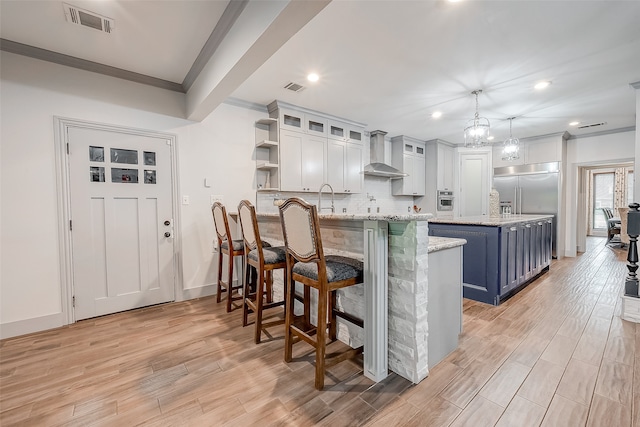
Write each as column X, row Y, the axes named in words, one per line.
column 121, row 221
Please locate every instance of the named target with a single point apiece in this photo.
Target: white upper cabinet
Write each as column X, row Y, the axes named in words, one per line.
column 314, row 149
column 337, row 165
column 315, row 125
column 345, row 132
column 354, row 179
column 302, row 161
column 291, row 120
column 408, row 155
column 344, row 157
column 536, row 150
column 301, row 122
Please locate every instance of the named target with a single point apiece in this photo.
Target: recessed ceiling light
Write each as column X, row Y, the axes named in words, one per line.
column 542, row 85
column 490, row 138
column 574, row 123
column 313, row 77
column 436, row 114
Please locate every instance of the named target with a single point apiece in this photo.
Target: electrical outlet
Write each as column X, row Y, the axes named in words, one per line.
column 216, row 198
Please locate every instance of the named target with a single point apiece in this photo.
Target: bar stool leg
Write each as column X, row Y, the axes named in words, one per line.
column 230, row 280
column 307, row 307
column 332, row 315
column 289, row 287
column 259, row 304
column 246, row 294
column 218, row 297
column 321, row 339
column 269, row 286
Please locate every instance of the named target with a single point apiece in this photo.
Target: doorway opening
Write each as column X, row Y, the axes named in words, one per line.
column 608, row 188
column 601, row 186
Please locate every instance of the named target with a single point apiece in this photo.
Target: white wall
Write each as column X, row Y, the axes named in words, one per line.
column 32, row 93
column 636, row 180
column 586, row 151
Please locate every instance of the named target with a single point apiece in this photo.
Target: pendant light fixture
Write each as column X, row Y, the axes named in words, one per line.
column 511, row 146
column 477, row 129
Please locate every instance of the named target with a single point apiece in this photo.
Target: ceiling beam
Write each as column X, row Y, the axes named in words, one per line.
column 229, row 16
column 261, row 29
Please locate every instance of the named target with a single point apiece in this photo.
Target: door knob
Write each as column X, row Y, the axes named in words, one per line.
column 167, row 234
column 167, row 223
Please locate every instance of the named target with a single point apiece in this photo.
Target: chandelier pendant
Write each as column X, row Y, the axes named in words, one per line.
column 511, row 146
column 477, row 129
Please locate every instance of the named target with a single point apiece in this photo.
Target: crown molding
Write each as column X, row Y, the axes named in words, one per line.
column 83, row 64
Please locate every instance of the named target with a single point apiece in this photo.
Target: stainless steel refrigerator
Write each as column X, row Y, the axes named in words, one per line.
column 530, row 189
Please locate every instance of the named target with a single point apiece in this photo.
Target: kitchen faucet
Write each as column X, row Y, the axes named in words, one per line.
column 333, row 209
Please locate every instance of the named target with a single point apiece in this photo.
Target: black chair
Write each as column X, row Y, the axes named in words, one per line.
column 613, row 225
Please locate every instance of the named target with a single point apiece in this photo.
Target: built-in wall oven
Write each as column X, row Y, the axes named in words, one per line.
column 445, row 200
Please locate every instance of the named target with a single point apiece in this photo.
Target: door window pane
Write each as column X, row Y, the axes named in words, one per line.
column 149, row 158
column 96, row 154
column 96, row 174
column 149, row 177
column 124, row 175
column 602, row 197
column 124, row 156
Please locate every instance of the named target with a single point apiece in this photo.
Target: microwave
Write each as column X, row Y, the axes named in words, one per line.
column 445, row 201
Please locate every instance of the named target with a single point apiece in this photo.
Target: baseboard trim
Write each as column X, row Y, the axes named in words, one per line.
column 199, row 292
column 52, row 321
column 29, row 326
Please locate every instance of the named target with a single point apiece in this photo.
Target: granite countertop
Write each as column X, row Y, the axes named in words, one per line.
column 441, row 243
column 491, row 221
column 364, row 216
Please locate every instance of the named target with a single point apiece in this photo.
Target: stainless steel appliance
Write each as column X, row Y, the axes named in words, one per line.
column 530, row 189
column 445, row 200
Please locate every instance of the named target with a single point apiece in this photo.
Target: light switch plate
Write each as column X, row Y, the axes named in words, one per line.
column 185, row 200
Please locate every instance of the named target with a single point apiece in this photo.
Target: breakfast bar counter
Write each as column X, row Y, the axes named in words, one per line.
column 393, row 300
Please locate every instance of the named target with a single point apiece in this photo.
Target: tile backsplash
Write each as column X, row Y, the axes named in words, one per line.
column 376, row 194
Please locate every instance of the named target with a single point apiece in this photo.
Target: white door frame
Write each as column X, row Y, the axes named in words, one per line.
column 61, row 124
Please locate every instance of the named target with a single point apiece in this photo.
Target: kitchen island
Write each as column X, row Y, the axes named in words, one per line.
column 394, row 299
column 502, row 255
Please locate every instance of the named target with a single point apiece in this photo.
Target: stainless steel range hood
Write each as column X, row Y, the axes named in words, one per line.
column 377, row 167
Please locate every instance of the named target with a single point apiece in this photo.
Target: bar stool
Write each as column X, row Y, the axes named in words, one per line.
column 307, row 264
column 264, row 259
column 236, row 249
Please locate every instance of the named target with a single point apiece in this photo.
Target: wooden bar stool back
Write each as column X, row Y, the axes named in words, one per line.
column 264, row 258
column 236, row 248
column 307, row 264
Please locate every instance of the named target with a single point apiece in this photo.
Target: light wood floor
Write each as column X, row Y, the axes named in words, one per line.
column 556, row 354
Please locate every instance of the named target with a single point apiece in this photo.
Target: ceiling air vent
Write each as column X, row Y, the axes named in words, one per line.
column 592, row 125
column 294, row 87
column 83, row 17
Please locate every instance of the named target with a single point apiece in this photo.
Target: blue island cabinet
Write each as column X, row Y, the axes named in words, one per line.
column 499, row 260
